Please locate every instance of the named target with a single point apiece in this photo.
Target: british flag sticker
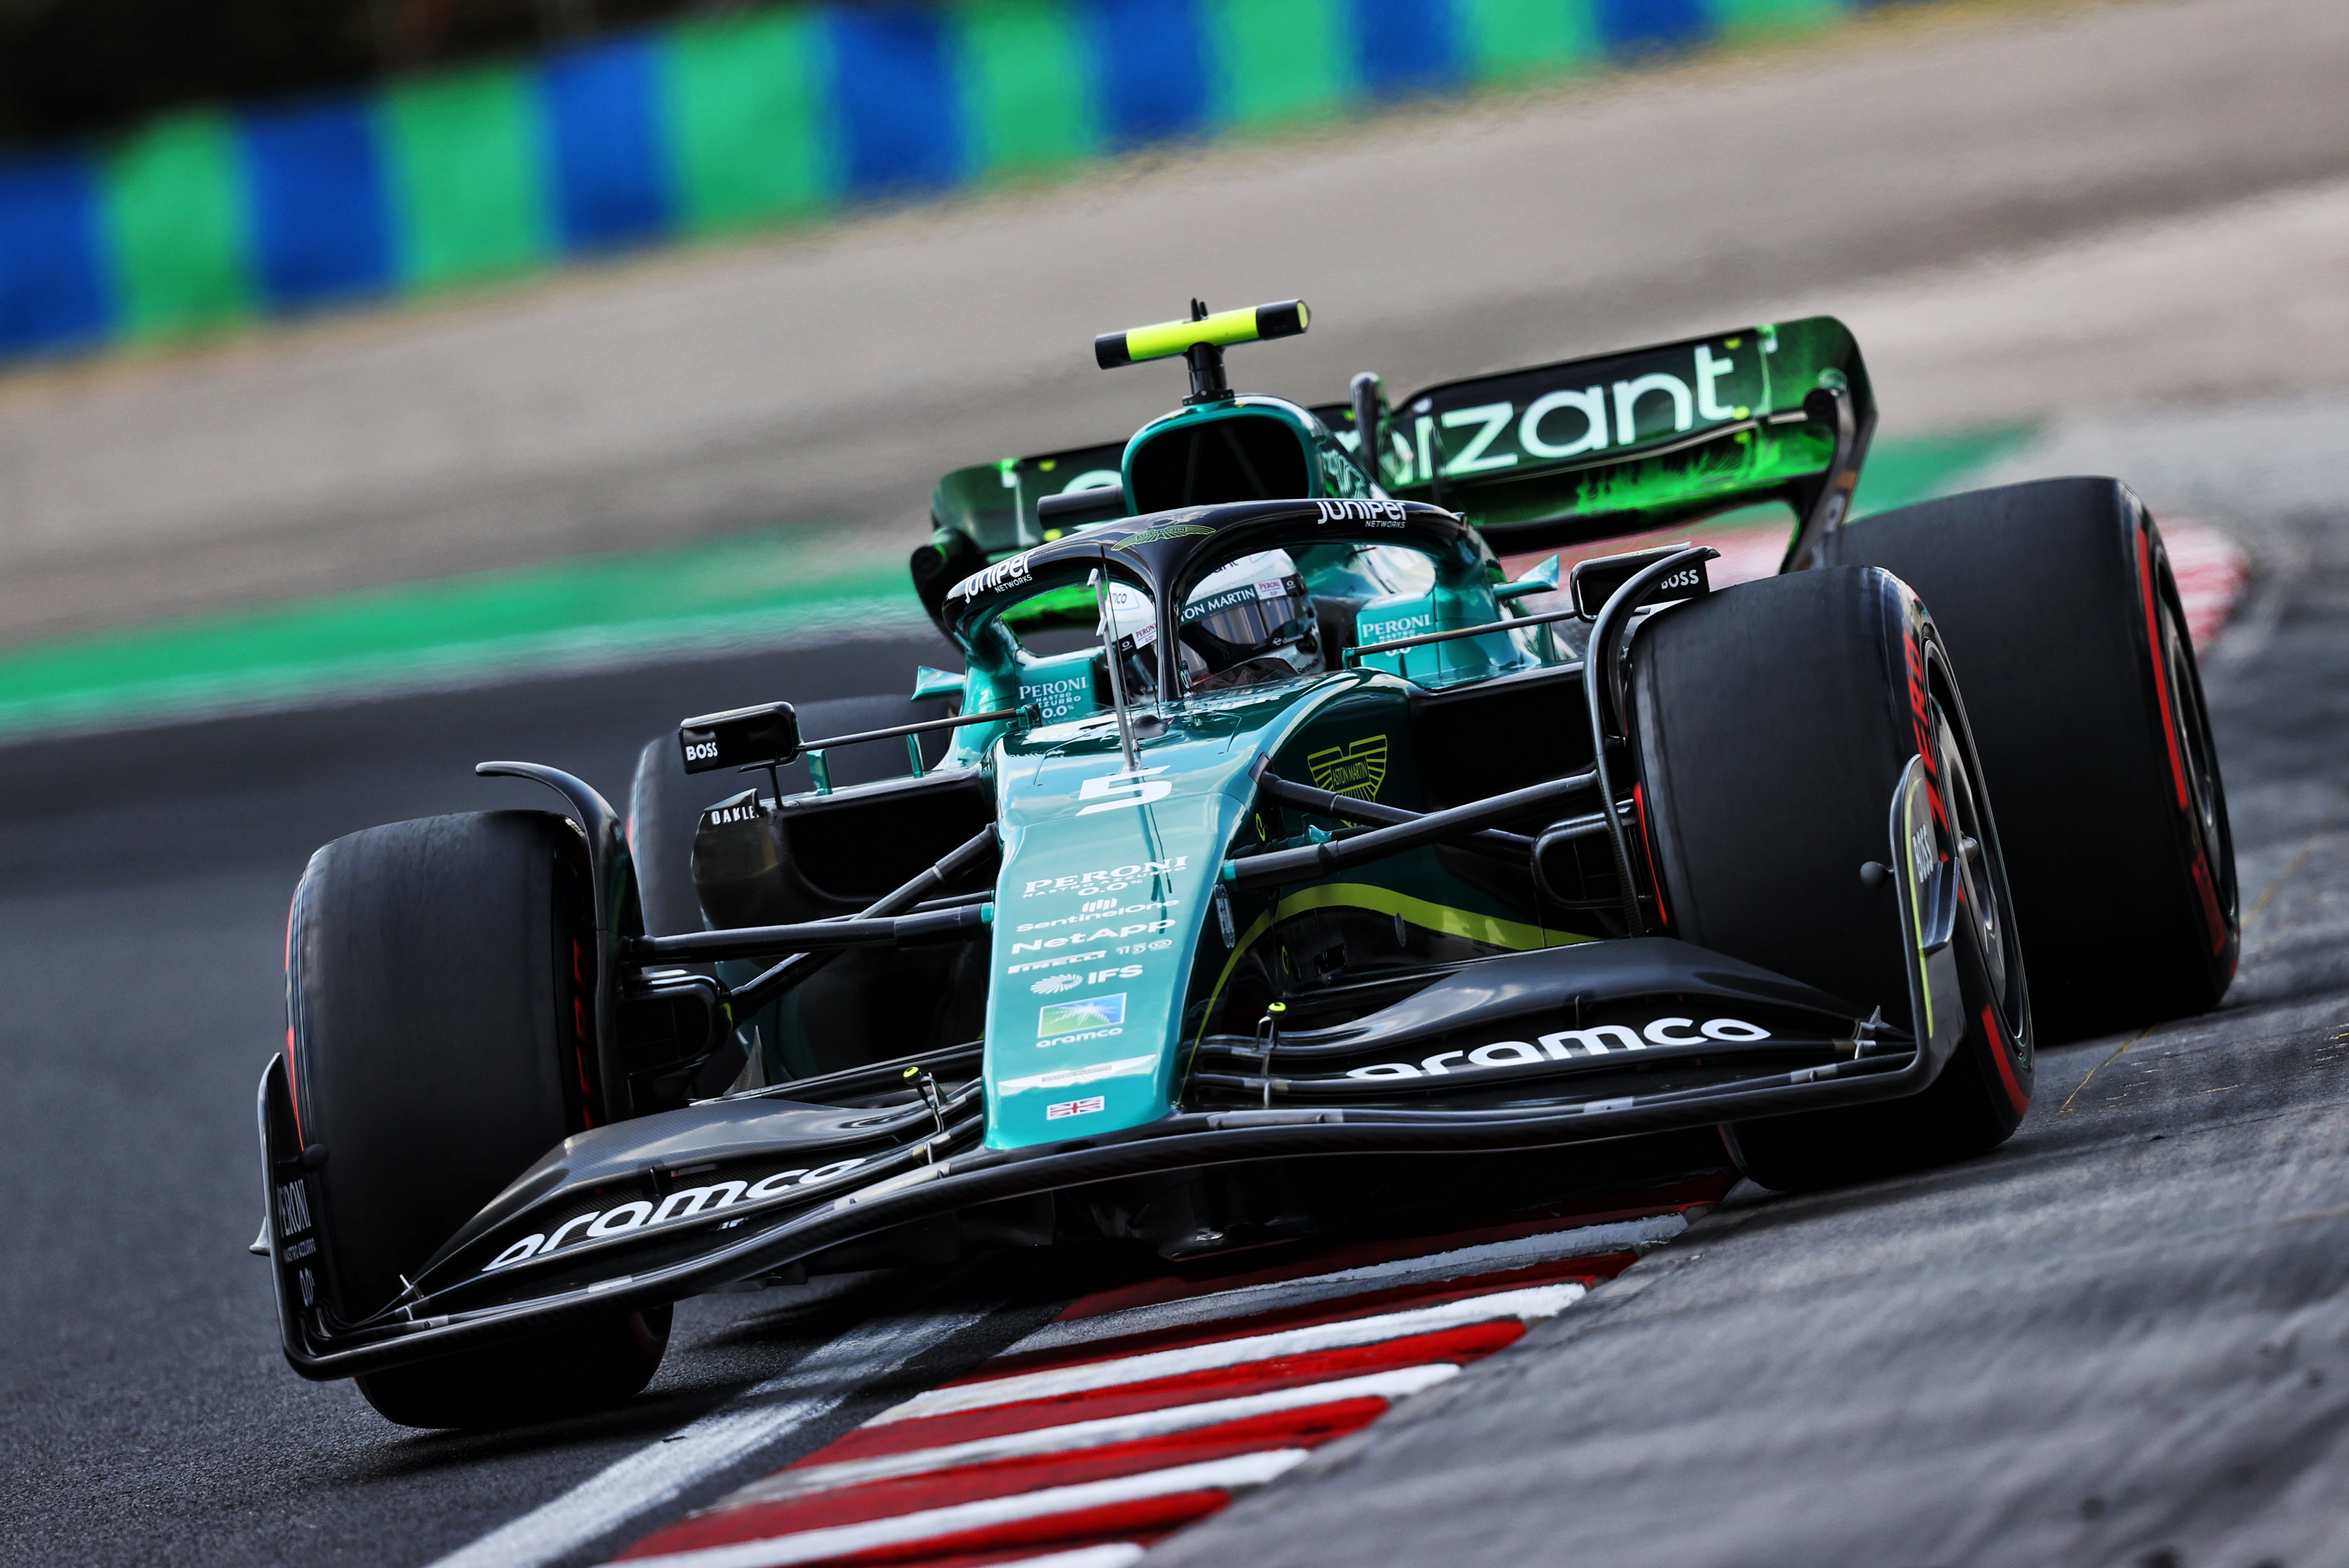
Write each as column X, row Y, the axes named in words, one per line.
column 1075, row 1107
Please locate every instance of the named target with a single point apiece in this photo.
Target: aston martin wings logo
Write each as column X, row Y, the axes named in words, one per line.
column 1357, row 769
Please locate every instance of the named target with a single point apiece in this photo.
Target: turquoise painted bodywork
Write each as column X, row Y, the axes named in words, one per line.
column 1106, row 942
column 1108, row 947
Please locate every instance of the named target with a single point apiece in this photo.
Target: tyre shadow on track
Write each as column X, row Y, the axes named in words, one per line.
column 725, row 1346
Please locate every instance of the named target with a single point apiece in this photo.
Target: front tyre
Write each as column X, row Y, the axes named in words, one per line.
column 435, row 990
column 2064, row 618
column 1773, row 722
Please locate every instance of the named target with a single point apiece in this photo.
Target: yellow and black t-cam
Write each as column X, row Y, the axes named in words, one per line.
column 1286, row 318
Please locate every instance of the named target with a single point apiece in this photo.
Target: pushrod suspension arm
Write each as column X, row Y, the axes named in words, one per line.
column 814, row 936
column 923, row 727
column 1317, row 860
column 749, row 997
column 1329, row 803
column 1512, row 623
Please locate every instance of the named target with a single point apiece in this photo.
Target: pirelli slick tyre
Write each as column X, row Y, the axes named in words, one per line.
column 2064, row 621
column 437, row 1047
column 1773, row 722
column 666, row 803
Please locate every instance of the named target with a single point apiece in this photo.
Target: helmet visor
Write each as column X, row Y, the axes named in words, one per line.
column 1246, row 619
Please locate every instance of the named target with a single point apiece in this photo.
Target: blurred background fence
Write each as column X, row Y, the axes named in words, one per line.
column 421, row 179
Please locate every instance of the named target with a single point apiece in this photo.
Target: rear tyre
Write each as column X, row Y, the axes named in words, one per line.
column 2063, row 618
column 1773, row 722
column 437, row 1049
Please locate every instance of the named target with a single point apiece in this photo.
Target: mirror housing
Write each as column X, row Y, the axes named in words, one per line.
column 767, row 736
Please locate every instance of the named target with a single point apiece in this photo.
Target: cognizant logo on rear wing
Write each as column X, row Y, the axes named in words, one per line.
column 1589, row 448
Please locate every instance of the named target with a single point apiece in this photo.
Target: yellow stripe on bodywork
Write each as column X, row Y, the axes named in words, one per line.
column 1515, row 935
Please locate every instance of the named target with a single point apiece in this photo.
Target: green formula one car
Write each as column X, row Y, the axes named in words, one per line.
column 1273, row 866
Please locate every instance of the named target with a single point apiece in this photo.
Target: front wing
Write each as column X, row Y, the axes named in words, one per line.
column 651, row 1211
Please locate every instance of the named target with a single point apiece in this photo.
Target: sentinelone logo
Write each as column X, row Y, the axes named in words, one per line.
column 1093, row 1018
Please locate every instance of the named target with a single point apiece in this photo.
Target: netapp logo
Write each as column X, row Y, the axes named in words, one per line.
column 1598, row 1041
column 1106, row 934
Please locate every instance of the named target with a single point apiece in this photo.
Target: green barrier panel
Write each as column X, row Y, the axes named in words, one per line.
column 1024, row 74
column 1743, row 21
column 1279, row 62
column 175, row 222
column 1513, row 39
column 747, row 116
column 463, row 162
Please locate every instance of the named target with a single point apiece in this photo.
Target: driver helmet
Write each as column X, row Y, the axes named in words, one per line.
column 1248, row 621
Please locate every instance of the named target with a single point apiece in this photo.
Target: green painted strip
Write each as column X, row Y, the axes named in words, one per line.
column 1513, row 39
column 1918, row 468
column 745, row 106
column 467, row 172
column 1281, row 63
column 753, row 590
column 175, row 218
column 1024, row 71
column 1751, row 21
column 749, row 590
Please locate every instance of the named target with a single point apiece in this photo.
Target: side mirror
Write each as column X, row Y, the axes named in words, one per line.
column 744, row 737
column 1542, row 579
column 1594, row 581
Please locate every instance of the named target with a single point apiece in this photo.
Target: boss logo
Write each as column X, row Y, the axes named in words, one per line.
column 701, row 751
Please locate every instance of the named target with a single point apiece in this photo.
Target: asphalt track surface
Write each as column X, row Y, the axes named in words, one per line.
column 2125, row 1334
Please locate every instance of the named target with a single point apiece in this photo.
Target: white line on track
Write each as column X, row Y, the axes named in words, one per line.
column 1542, row 1301
column 1076, row 1435
column 841, row 1539
column 1115, row 1555
column 1486, row 1258
column 658, row 1475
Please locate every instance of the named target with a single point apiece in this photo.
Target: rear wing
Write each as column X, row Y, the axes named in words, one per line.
column 1557, row 454
column 1622, row 444
column 982, row 514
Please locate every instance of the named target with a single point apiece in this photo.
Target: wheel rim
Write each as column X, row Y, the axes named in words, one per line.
column 1972, row 842
column 1971, row 849
column 2191, row 732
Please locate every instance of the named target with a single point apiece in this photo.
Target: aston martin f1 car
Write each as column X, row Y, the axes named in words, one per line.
column 1274, row 858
